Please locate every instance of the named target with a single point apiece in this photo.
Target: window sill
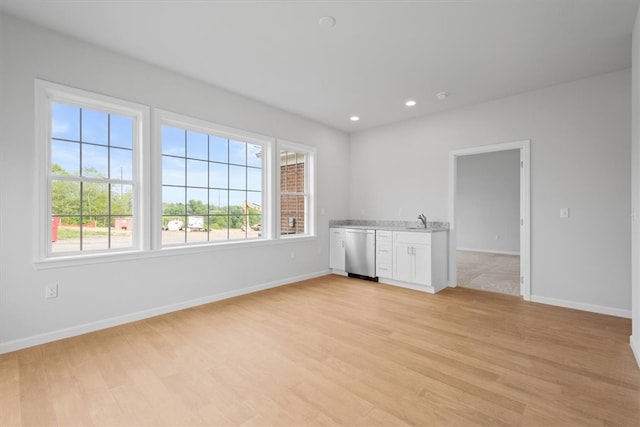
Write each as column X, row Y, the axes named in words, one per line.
column 134, row 255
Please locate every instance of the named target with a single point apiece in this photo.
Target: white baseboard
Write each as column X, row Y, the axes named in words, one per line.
column 635, row 348
column 34, row 340
column 488, row 251
column 611, row 311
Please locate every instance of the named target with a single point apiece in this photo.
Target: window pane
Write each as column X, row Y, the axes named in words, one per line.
column 95, row 126
column 65, row 122
column 196, row 230
column 121, row 131
column 95, row 199
column 197, row 201
column 217, row 203
column 65, row 158
column 218, row 175
column 236, row 200
column 122, row 233
column 121, row 200
column 219, row 228
column 236, row 227
column 65, row 198
column 254, row 179
column 95, row 233
column 173, row 229
column 292, row 214
column 173, row 171
column 237, row 152
column 173, row 199
column 89, row 150
column 121, row 163
column 255, row 226
column 197, row 173
column 254, row 198
column 219, row 149
column 95, row 160
column 254, row 155
column 197, row 145
column 237, row 177
column 218, row 199
column 66, row 237
column 173, row 140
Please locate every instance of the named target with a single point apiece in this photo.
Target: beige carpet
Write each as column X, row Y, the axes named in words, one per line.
column 489, row 272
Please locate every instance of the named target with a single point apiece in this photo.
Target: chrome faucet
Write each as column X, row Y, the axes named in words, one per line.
column 423, row 219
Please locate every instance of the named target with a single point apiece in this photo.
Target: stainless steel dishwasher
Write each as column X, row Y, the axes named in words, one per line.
column 360, row 247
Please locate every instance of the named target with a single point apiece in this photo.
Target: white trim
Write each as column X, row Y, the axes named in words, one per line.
column 635, row 348
column 47, row 92
column 488, row 251
column 164, row 117
column 525, row 208
column 59, row 334
column 172, row 251
column 310, row 188
column 407, row 285
column 611, row 311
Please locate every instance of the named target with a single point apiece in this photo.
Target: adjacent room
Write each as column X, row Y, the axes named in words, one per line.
column 356, row 213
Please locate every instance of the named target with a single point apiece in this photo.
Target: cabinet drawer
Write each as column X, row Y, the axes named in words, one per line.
column 384, row 247
column 383, row 236
column 419, row 238
column 383, row 269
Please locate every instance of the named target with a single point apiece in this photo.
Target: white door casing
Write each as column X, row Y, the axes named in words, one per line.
column 525, row 208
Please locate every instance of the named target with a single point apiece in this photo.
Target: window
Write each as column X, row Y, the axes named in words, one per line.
column 213, row 186
column 104, row 191
column 92, row 144
column 296, row 189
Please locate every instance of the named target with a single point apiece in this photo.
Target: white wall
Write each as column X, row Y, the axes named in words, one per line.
column 580, row 159
column 488, row 202
column 635, row 194
column 97, row 295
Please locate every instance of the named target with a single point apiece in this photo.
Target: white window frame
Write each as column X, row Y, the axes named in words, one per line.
column 163, row 117
column 309, row 192
column 45, row 94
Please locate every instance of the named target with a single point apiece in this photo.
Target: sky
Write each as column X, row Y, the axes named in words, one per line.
column 189, row 159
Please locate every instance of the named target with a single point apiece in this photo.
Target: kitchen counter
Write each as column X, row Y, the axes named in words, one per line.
column 409, row 226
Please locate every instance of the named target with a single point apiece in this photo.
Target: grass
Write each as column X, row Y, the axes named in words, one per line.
column 74, row 233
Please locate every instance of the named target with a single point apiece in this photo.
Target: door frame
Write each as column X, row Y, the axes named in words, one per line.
column 525, row 208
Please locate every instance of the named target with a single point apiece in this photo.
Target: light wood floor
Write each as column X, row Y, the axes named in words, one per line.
column 335, row 351
column 489, row 272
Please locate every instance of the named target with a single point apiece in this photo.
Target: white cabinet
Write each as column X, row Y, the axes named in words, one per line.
column 384, row 254
column 337, row 255
column 420, row 259
column 412, row 254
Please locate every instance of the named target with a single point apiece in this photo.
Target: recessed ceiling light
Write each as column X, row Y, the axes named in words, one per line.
column 327, row 22
column 441, row 96
column 354, row 118
column 410, row 103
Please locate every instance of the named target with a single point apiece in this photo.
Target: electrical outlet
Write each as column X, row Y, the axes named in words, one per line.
column 564, row 212
column 496, row 237
column 51, row 290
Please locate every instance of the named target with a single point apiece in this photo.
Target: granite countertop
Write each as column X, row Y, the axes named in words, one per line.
column 411, row 226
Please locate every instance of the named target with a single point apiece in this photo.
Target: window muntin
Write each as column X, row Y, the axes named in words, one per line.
column 296, row 189
column 212, row 186
column 105, row 150
column 91, row 179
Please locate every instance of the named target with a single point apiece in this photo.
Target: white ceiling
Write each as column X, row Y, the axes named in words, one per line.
column 378, row 55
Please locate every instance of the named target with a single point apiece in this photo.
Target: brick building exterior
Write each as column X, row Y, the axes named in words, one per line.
column 292, row 205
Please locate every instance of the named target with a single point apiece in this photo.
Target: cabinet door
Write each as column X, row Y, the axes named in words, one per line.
column 337, row 257
column 422, row 265
column 403, row 262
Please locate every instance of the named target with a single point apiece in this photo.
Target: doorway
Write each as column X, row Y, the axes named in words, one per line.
column 495, row 263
